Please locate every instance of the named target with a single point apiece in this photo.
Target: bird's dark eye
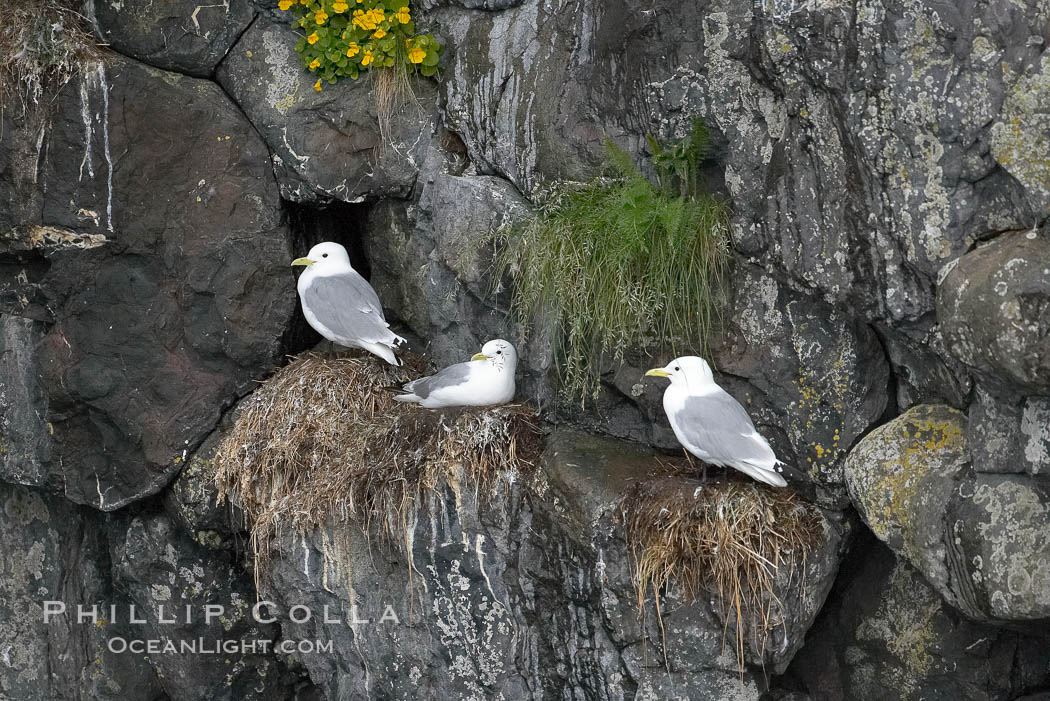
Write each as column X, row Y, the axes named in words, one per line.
column 677, row 369
column 324, row 255
column 499, row 352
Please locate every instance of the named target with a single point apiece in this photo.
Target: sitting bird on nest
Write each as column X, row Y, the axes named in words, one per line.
column 340, row 304
column 487, row 379
column 712, row 425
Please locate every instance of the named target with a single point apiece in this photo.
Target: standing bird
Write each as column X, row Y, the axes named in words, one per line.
column 486, row 379
column 712, row 425
column 340, row 304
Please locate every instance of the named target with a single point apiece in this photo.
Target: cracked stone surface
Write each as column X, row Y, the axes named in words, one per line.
column 159, row 279
column 525, row 597
column 977, row 538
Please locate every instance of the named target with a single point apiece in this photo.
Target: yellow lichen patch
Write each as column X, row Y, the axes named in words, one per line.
column 892, row 470
column 904, row 622
column 823, row 394
column 286, row 102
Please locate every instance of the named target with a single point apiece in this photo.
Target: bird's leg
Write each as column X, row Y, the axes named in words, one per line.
column 703, row 466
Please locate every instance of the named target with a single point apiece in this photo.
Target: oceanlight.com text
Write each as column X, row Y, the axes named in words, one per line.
column 204, row 646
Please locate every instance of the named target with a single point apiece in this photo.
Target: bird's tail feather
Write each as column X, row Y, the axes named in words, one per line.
column 761, row 474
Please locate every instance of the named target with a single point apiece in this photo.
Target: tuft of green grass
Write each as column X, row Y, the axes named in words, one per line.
column 43, row 43
column 620, row 263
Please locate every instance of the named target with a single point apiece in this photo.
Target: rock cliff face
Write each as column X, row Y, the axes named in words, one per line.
column 888, row 330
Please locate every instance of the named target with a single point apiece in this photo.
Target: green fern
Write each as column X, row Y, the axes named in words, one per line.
column 619, row 263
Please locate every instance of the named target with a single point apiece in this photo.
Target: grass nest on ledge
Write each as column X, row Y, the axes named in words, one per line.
column 323, row 438
column 732, row 539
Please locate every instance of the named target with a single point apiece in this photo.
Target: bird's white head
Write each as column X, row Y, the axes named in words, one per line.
column 498, row 352
column 325, row 259
column 689, row 371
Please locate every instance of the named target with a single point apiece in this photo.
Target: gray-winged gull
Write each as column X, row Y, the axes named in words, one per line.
column 711, row 424
column 486, row 380
column 341, row 305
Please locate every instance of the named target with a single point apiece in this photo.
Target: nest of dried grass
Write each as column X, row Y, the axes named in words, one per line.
column 734, row 540
column 43, row 43
column 323, row 438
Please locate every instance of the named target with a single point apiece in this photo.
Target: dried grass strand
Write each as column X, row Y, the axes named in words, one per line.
column 732, row 539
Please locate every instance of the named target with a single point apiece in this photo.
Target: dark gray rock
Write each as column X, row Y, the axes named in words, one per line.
column 19, row 173
column 472, row 4
column 525, row 597
column 885, row 635
column 55, row 552
column 1020, row 138
column 163, row 272
column 924, row 372
column 533, row 90
column 180, row 35
column 978, row 539
column 25, row 433
column 1009, row 433
column 192, row 501
column 326, row 145
column 162, row 572
column 1001, row 554
column 861, row 177
column 432, row 260
column 994, row 309
column 857, row 140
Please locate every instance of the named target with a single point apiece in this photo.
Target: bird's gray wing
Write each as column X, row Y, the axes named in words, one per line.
column 449, row 377
column 718, row 425
column 348, row 306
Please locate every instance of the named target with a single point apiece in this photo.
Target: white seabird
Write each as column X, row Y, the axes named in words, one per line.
column 340, row 304
column 487, row 379
column 712, row 425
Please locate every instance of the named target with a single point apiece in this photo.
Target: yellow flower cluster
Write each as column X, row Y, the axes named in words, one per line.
column 343, row 38
column 368, row 20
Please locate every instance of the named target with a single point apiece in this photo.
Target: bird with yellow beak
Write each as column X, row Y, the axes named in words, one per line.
column 712, row 425
column 340, row 304
column 487, row 379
